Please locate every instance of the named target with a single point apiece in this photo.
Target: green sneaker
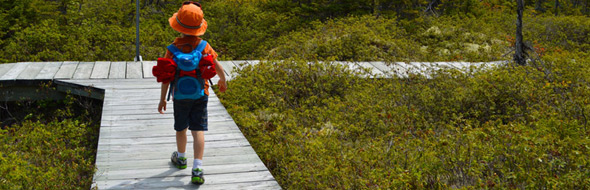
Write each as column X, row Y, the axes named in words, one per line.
column 179, row 162
column 197, row 177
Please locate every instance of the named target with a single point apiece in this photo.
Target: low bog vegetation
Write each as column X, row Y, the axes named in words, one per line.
column 49, row 144
column 318, row 126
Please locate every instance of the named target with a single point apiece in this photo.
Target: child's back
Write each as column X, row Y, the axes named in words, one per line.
column 190, row 112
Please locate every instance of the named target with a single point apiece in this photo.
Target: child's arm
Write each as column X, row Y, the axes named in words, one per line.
column 162, row 104
column 221, row 74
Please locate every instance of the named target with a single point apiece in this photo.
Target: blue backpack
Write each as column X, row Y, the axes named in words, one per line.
column 187, row 87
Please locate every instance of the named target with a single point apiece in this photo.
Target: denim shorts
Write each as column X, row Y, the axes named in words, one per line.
column 191, row 114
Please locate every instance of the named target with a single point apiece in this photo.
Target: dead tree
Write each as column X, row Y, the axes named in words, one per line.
column 556, row 7
column 520, row 55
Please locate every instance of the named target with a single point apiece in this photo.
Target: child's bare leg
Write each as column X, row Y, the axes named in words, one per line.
column 199, row 143
column 181, row 141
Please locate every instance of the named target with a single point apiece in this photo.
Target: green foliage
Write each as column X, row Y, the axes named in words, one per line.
column 50, row 145
column 354, row 38
column 471, row 30
column 315, row 125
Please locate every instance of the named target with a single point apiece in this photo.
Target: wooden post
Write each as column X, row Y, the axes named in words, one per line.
column 137, row 56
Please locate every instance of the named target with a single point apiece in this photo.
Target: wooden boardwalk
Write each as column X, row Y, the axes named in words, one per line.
column 136, row 142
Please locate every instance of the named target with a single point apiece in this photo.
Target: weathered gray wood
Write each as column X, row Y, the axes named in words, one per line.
column 253, row 62
column 124, row 117
column 163, row 161
column 165, row 172
column 115, row 111
column 374, row 71
column 31, row 71
column 49, row 70
column 155, row 154
column 16, row 70
column 169, row 147
column 5, row 67
column 101, row 70
column 66, row 70
column 128, row 123
column 162, row 140
column 228, row 68
column 223, row 180
column 118, row 70
column 147, row 68
column 134, row 70
column 161, row 132
column 240, row 63
column 84, row 70
column 222, row 186
column 381, row 66
column 166, row 127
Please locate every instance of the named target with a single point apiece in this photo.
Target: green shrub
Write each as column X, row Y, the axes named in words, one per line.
column 49, row 145
column 506, row 127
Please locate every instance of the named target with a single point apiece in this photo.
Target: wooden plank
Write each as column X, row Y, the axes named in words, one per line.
column 253, row 62
column 129, row 109
column 31, row 71
column 66, row 70
column 118, row 70
column 101, row 70
column 159, row 132
column 163, row 140
column 134, row 70
column 374, row 71
column 5, row 67
column 147, row 68
column 16, row 70
column 49, row 70
column 112, row 80
column 119, row 82
column 228, row 68
column 165, row 147
column 155, row 154
column 134, row 123
column 156, row 116
column 240, row 63
column 381, row 66
column 84, row 70
column 213, row 155
column 164, row 128
column 159, row 164
column 224, row 180
column 270, row 184
column 117, row 173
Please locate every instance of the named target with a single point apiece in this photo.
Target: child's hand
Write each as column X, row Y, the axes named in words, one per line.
column 222, row 85
column 161, row 106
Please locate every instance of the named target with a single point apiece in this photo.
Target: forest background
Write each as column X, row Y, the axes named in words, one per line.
column 322, row 126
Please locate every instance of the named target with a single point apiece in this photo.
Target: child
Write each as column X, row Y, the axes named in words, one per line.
column 189, row 113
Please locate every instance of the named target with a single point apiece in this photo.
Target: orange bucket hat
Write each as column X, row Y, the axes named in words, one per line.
column 189, row 19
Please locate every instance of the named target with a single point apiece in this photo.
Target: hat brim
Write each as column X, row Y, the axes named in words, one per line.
column 193, row 32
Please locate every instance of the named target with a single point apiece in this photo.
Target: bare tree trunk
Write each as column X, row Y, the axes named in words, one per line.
column 519, row 56
column 556, row 7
